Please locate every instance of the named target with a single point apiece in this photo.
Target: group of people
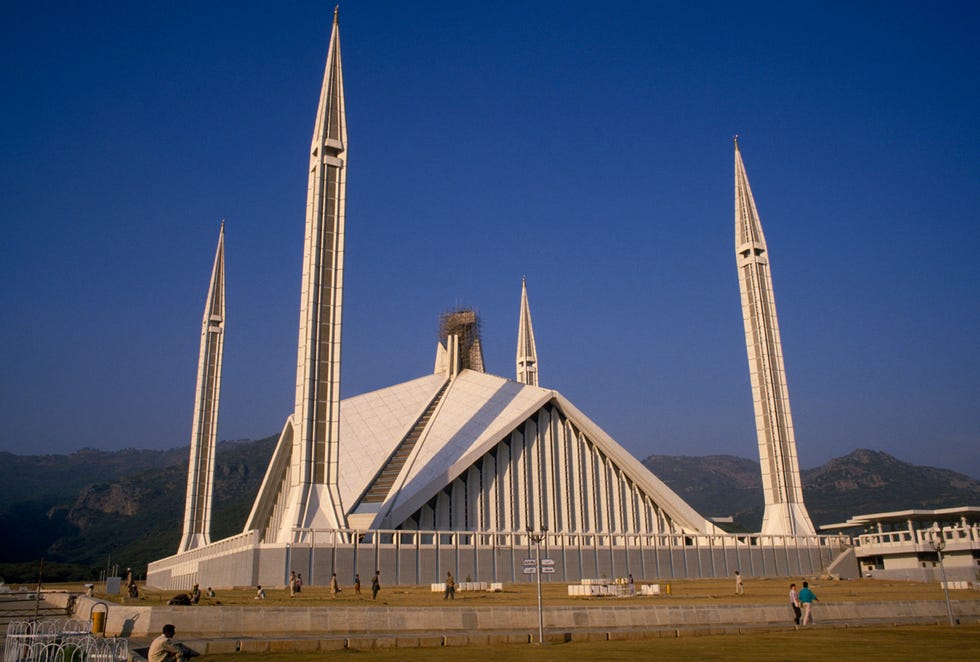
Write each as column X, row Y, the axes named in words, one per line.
column 800, row 601
column 192, row 598
column 296, row 585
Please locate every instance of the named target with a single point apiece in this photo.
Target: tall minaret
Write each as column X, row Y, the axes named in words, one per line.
column 312, row 481
column 204, row 431
column 527, row 353
column 785, row 513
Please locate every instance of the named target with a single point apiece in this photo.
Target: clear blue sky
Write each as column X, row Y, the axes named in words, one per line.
column 585, row 145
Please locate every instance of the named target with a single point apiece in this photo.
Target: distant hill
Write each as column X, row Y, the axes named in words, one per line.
column 126, row 507
column 864, row 481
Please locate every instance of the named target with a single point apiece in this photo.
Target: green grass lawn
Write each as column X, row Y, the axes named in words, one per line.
column 836, row 645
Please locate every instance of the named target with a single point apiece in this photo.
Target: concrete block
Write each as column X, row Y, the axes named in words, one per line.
column 281, row 645
column 255, row 646
column 556, row 637
column 430, row 642
column 360, row 643
column 406, row 642
column 331, row 644
column 385, row 642
column 478, row 639
column 305, row 645
column 455, row 640
column 578, row 635
column 218, row 647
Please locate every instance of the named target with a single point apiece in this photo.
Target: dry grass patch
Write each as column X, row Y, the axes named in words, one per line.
column 685, row 591
column 841, row 645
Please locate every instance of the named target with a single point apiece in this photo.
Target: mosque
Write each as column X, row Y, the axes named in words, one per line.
column 462, row 470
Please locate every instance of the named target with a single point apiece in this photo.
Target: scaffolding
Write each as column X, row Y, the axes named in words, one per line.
column 464, row 323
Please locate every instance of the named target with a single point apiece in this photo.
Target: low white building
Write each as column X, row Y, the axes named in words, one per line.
column 902, row 544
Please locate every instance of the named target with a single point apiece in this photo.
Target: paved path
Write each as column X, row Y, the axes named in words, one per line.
column 21, row 606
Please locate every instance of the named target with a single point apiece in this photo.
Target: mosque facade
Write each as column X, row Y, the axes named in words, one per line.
column 455, row 469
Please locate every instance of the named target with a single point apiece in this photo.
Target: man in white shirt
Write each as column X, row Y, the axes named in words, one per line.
column 164, row 649
column 794, row 602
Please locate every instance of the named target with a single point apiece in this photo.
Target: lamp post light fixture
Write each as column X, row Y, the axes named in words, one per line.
column 536, row 538
column 938, row 543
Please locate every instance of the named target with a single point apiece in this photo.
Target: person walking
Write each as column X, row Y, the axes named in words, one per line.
column 292, row 583
column 739, row 588
column 450, row 587
column 794, row 602
column 357, row 584
column 806, row 602
column 375, row 584
column 334, row 586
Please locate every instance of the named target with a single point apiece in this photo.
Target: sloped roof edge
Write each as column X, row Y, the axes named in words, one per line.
column 665, row 497
column 404, row 505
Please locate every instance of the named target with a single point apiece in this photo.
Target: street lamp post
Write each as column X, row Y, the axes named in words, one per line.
column 536, row 538
column 938, row 543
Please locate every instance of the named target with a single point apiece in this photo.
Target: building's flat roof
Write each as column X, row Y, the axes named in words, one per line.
column 904, row 515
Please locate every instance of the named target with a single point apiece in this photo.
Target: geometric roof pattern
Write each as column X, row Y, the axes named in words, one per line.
column 476, row 412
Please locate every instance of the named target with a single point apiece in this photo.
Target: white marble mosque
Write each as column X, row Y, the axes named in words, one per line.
column 450, row 471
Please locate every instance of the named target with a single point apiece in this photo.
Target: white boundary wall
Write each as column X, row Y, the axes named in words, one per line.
column 423, row 557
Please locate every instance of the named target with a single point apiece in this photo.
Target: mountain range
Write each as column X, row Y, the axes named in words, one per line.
column 92, row 509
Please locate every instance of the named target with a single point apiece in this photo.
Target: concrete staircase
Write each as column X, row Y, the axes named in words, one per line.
column 378, row 491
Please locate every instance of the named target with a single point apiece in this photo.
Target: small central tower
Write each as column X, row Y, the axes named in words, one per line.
column 527, row 353
column 785, row 513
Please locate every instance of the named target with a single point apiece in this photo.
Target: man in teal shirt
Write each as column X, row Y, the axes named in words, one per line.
column 806, row 600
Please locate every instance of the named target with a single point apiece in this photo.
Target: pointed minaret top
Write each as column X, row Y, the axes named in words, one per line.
column 330, row 130
column 527, row 354
column 749, row 240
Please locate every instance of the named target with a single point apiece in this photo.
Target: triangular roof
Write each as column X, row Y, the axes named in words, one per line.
column 477, row 411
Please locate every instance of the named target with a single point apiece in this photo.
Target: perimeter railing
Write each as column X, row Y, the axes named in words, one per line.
column 64, row 640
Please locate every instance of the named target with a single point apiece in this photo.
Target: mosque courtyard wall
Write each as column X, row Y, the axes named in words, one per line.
column 423, row 557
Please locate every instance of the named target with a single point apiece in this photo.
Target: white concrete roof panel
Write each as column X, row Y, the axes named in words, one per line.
column 372, row 425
